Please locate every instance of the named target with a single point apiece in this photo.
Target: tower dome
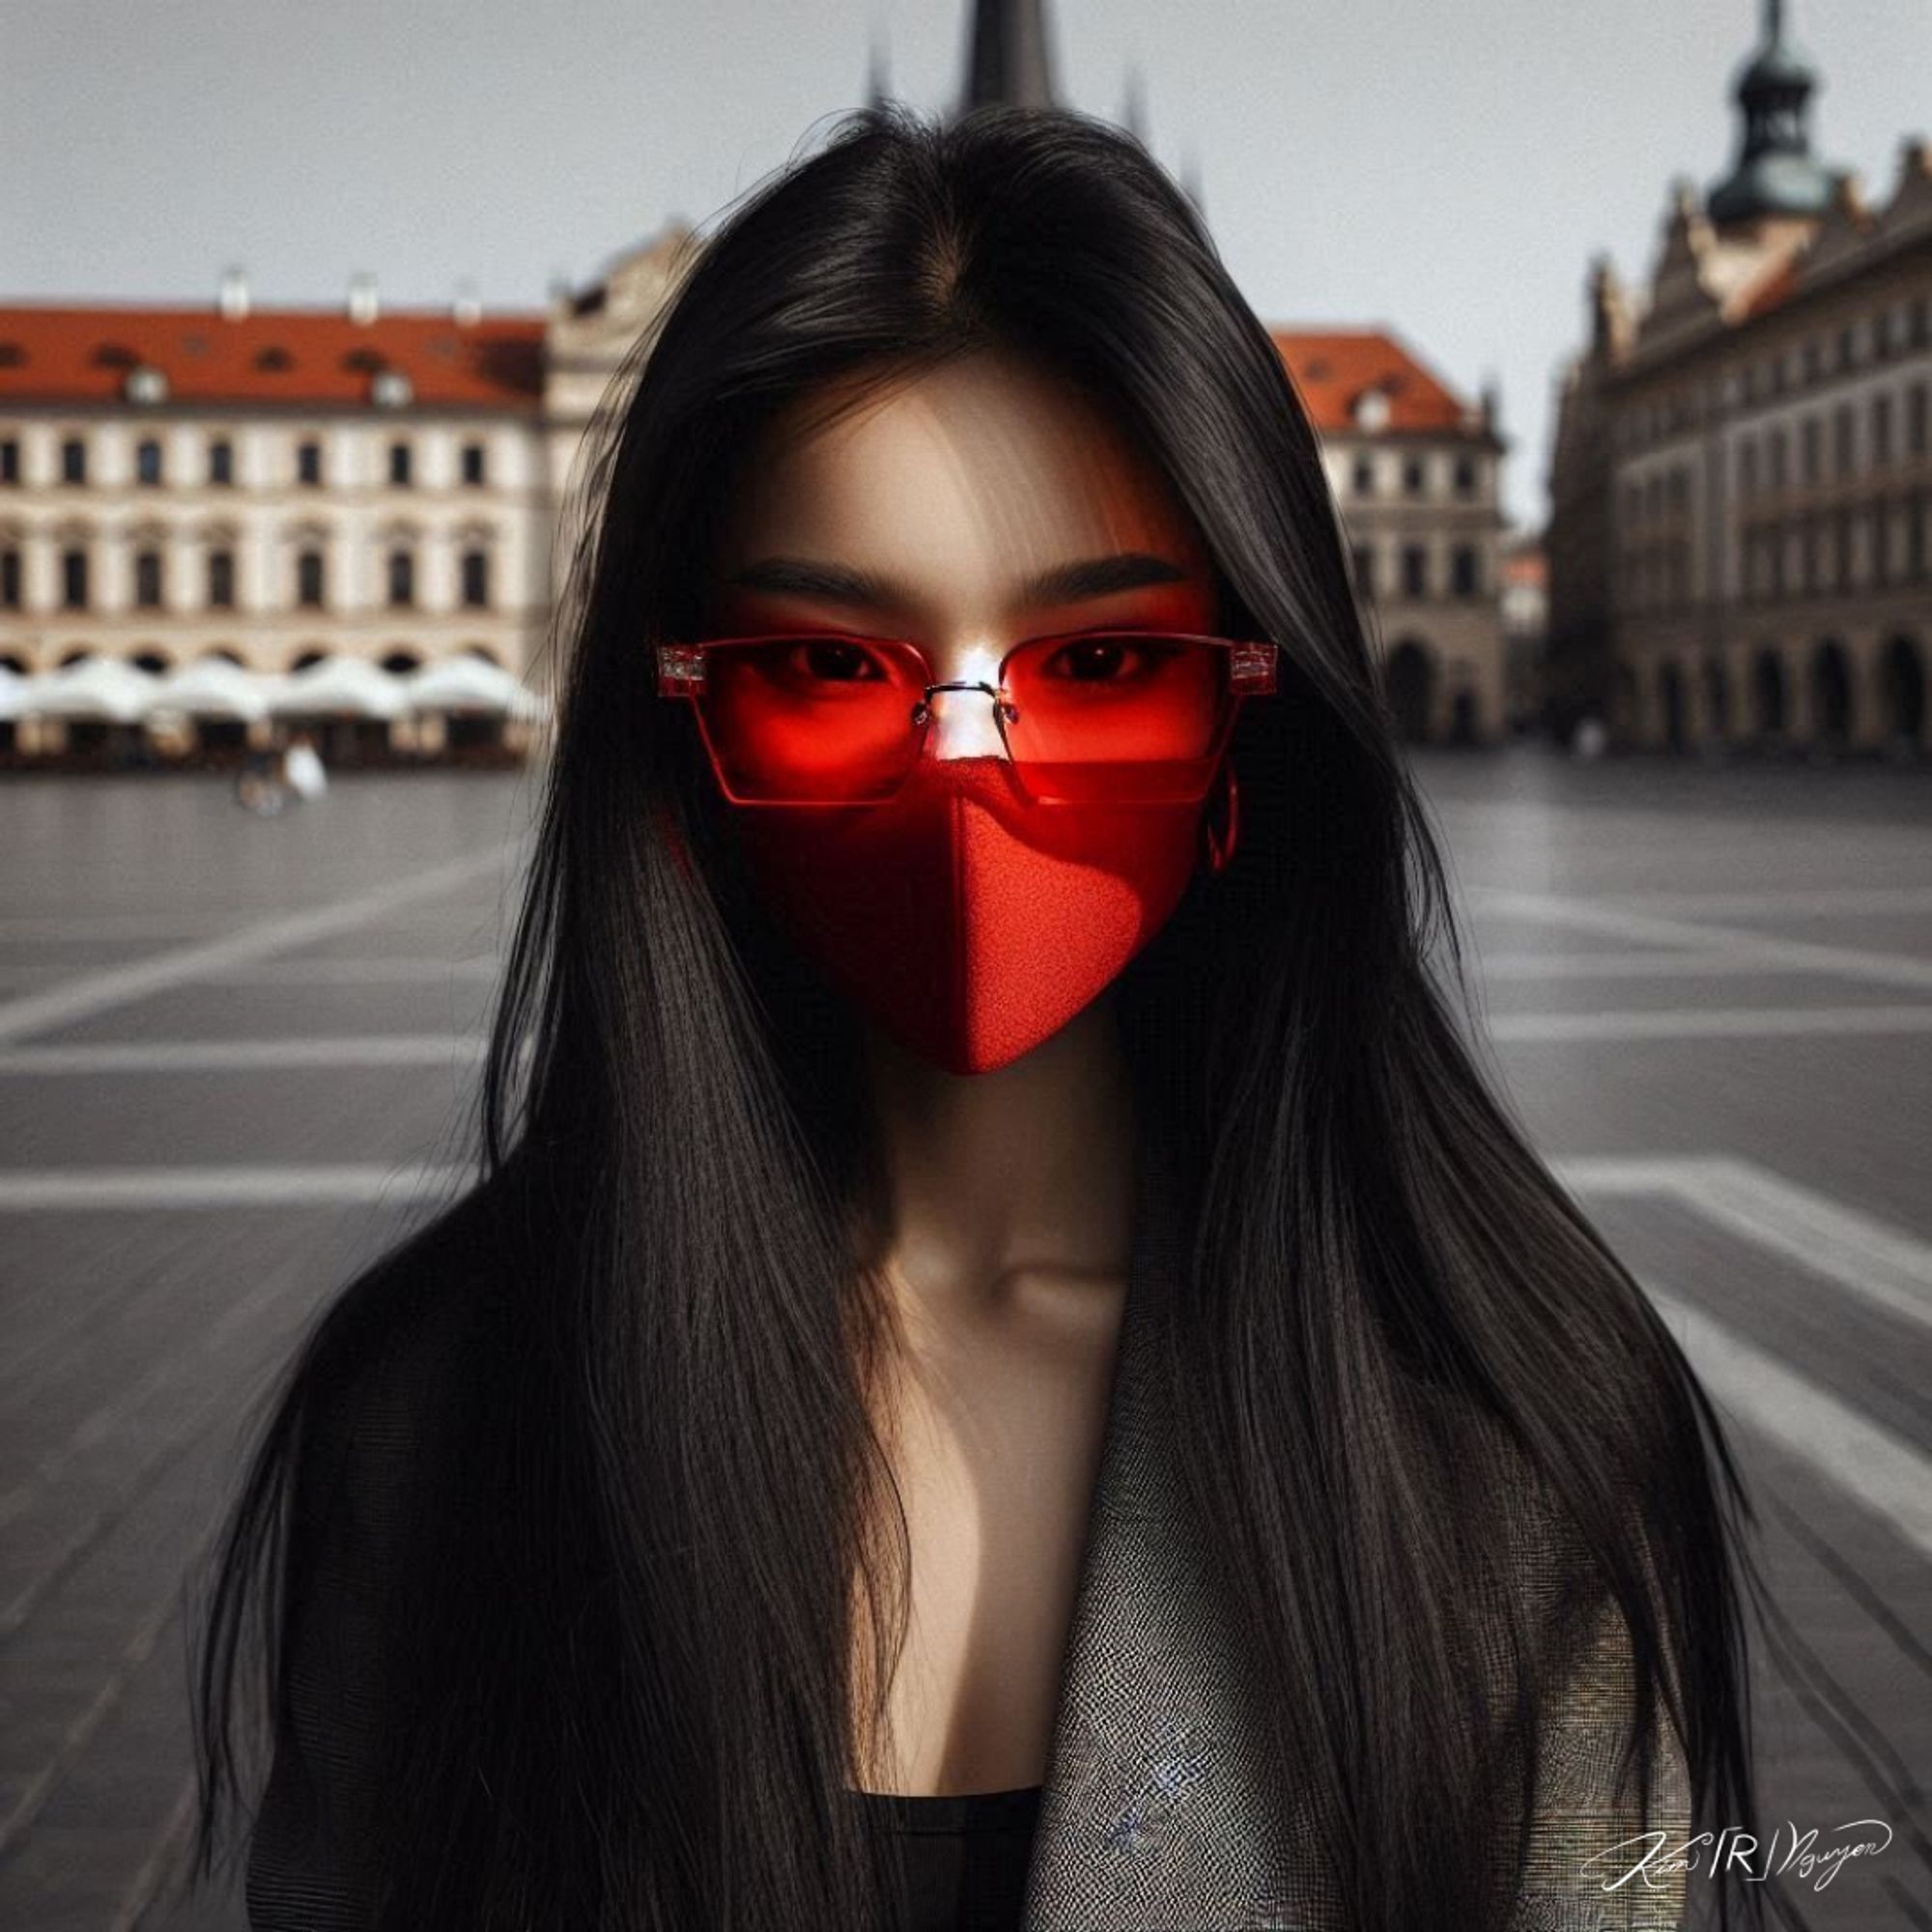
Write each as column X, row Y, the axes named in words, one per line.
column 1776, row 172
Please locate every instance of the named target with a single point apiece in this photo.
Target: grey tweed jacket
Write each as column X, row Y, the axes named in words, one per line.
column 1163, row 1808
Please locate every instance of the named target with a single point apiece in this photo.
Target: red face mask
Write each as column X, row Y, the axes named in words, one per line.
column 969, row 921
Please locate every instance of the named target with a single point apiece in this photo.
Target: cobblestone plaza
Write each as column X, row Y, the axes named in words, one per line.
column 236, row 1051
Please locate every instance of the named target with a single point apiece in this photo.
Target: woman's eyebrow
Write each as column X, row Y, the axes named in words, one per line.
column 1064, row 583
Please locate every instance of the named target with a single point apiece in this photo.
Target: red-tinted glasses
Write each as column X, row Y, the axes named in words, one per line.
column 1112, row 716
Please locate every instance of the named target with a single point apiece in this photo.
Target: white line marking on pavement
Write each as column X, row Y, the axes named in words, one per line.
column 91, row 1188
column 1854, row 900
column 376, row 972
column 84, row 925
column 1869, row 1258
column 227, row 1056
column 118, row 986
column 1868, row 1462
column 1883, row 968
column 1709, row 1023
column 1717, row 963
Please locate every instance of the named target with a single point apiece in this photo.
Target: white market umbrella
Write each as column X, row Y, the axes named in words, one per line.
column 214, row 688
column 339, row 687
column 472, row 684
column 13, row 692
column 97, row 688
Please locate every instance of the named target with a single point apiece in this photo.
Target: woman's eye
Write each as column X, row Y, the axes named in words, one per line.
column 834, row 659
column 1103, row 660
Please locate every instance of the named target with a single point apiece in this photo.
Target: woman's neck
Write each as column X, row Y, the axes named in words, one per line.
column 1014, row 1180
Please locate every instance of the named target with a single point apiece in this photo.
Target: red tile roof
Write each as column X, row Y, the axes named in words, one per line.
column 1331, row 368
column 1527, row 564
column 76, row 353
column 1772, row 292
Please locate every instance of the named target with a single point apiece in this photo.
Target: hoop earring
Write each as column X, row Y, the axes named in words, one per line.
column 1221, row 823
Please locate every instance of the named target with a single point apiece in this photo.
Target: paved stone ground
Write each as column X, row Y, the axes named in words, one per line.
column 226, row 1044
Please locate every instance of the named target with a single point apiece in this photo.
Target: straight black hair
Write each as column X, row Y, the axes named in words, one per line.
column 613, row 1646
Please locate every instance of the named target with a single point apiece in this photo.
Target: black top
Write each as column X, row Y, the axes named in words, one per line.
column 966, row 1855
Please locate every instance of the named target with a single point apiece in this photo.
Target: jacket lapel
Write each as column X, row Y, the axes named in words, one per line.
column 1159, row 1808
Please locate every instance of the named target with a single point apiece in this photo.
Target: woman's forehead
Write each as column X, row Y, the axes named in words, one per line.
column 982, row 459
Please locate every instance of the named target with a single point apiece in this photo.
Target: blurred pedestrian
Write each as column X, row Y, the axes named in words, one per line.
column 302, row 768
column 257, row 786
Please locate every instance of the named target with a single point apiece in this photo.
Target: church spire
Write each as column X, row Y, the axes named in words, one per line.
column 1007, row 61
column 1134, row 105
column 1190, row 179
column 1776, row 173
column 876, row 89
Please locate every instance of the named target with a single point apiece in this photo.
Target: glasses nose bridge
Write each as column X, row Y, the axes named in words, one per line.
column 1002, row 708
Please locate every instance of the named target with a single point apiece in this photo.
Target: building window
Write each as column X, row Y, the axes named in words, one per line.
column 10, row 579
column 1814, row 361
column 221, row 461
column 399, row 464
column 1916, row 399
column 1464, row 578
column 1779, row 465
column 1414, row 571
column 10, row 460
column 1881, row 544
column 1747, row 469
column 308, row 462
column 1362, row 478
column 1362, row 557
column 148, row 461
column 1844, row 436
column 1466, row 476
column 308, row 579
column 476, row 579
column 474, row 469
column 1413, row 477
column 73, row 580
column 148, row 580
column 221, row 579
column 1809, row 448
column 402, row 579
column 74, row 460
column 1880, row 431
column 1848, row 348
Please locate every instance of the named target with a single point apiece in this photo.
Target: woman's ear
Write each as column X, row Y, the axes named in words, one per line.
column 1221, row 819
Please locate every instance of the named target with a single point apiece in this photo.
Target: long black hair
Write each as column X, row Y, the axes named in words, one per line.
column 618, row 1630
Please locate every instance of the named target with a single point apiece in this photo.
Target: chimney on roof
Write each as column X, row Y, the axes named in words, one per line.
column 362, row 298
column 466, row 308
column 233, row 300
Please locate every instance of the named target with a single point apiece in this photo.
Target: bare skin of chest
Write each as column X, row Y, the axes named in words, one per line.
column 995, row 1428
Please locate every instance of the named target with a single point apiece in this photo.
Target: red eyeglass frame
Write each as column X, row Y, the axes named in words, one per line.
column 1253, row 671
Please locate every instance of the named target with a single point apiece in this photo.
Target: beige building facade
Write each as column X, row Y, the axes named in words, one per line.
column 1741, row 539
column 275, row 490
column 1416, row 474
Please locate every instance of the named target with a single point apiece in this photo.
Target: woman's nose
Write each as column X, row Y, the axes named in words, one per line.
column 963, row 724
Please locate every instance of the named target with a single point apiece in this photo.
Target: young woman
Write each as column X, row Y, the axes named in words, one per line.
column 1004, row 1366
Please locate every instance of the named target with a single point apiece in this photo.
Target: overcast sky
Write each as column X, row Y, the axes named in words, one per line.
column 1445, row 170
